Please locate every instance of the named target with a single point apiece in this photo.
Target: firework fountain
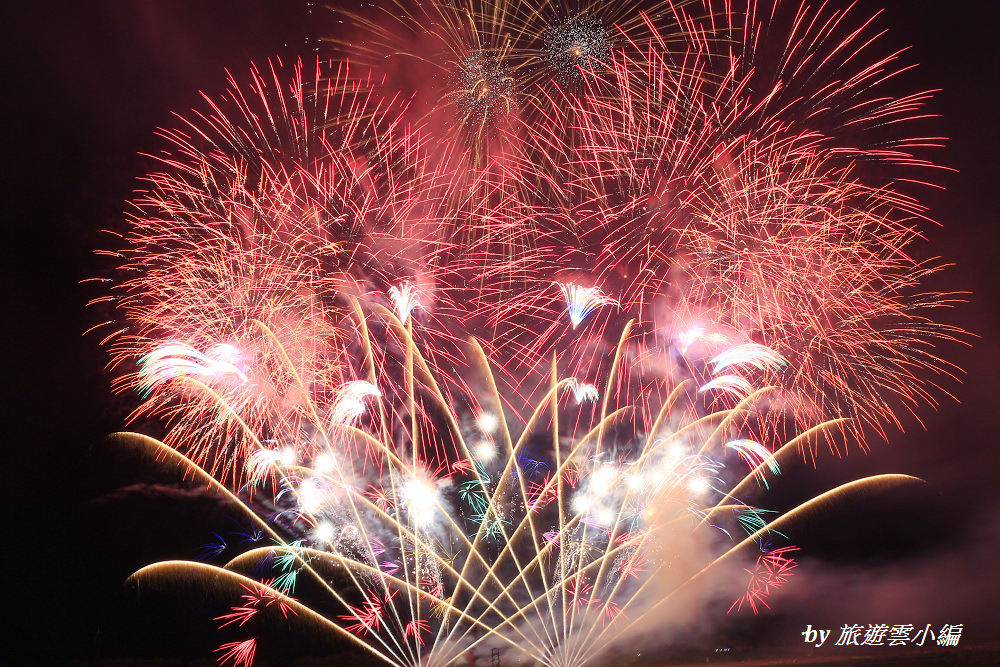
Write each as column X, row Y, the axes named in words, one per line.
column 498, row 369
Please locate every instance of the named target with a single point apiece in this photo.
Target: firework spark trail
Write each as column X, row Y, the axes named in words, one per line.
column 771, row 571
column 349, row 305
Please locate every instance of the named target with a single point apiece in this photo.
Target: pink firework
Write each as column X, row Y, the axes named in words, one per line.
column 287, row 202
column 772, row 570
column 365, row 313
column 241, row 653
column 722, row 185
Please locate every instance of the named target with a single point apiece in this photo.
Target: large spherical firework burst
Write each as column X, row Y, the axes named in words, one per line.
column 268, row 210
column 713, row 193
column 478, row 391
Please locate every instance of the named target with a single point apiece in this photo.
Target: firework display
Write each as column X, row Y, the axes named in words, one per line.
column 514, row 360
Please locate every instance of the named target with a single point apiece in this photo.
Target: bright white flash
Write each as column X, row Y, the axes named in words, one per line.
column 676, row 452
column 420, row 496
column 310, row 496
column 581, row 502
column 635, row 482
column 323, row 532
column 699, row 486
column 485, row 451
column 602, row 479
column 323, row 464
column 487, row 422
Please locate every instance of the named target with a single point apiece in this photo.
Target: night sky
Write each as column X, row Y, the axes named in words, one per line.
column 88, row 83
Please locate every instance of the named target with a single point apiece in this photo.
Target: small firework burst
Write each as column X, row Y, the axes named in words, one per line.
column 576, row 45
column 484, row 91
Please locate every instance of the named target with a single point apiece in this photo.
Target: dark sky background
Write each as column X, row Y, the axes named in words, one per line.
column 86, row 86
